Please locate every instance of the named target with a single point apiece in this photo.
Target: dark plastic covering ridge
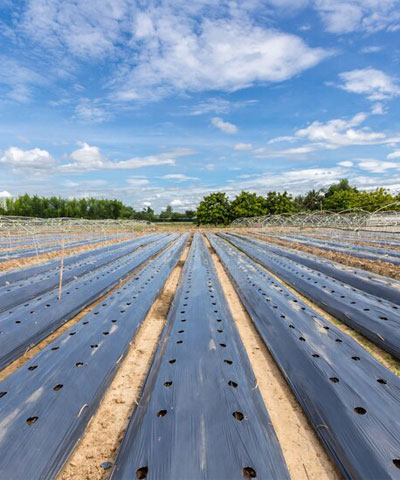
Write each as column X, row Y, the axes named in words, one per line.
column 27, row 324
column 32, row 285
column 50, row 400
column 350, row 398
column 376, row 319
column 200, row 414
column 378, row 285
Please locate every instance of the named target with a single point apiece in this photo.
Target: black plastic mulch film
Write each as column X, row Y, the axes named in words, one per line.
column 383, row 287
column 33, row 285
column 376, row 319
column 385, row 251
column 354, row 250
column 27, row 324
column 350, row 398
column 31, row 252
column 46, row 404
column 200, row 414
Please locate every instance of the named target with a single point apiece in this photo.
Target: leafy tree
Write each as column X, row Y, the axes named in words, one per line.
column 311, row 201
column 341, row 200
column 342, row 186
column 248, row 204
column 277, row 202
column 214, row 209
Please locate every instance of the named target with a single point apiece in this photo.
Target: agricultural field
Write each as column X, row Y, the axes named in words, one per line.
column 184, row 353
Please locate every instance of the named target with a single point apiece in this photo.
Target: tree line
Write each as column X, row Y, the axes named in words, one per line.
column 215, row 208
column 218, row 209
column 88, row 208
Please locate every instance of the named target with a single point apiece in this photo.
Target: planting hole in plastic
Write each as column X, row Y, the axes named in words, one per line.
column 249, row 472
column 31, row 420
column 142, row 472
column 360, row 410
column 238, row 415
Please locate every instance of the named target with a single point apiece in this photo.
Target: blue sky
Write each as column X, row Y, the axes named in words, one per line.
column 161, row 102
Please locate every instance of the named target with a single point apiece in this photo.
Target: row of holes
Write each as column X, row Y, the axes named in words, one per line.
column 358, row 410
column 44, row 276
column 313, row 272
column 68, row 292
column 154, row 270
column 248, row 472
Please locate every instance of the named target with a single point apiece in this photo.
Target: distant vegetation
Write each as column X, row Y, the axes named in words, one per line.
column 215, row 209
column 91, row 208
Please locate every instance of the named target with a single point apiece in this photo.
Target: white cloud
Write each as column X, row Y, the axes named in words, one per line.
column 230, row 54
column 89, row 158
column 345, row 16
column 34, row 162
column 377, row 166
column 330, row 135
column 375, row 84
column 19, row 79
column 179, row 177
column 378, row 109
column 371, row 49
column 340, row 133
column 288, row 152
column 5, row 194
column 243, row 146
column 395, row 154
column 137, row 182
column 225, row 127
column 177, row 203
column 89, row 112
column 346, row 163
column 285, row 138
column 219, row 106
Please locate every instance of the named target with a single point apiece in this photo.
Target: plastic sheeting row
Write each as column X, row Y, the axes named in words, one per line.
column 350, row 398
column 46, row 405
column 27, row 324
column 200, row 414
column 19, row 292
column 369, row 253
column 376, row 319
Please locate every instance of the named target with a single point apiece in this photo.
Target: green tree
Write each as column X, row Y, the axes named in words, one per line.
column 277, row 203
column 248, row 204
column 342, row 186
column 214, row 209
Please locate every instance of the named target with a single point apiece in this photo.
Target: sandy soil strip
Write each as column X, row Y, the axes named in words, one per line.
column 375, row 266
column 304, row 454
column 105, row 432
column 19, row 362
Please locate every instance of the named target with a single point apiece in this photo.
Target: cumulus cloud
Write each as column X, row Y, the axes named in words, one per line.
column 225, row 127
column 180, row 54
column 340, row 132
column 373, row 83
column 329, row 135
column 243, row 146
column 87, row 158
column 33, row 162
column 5, row 194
